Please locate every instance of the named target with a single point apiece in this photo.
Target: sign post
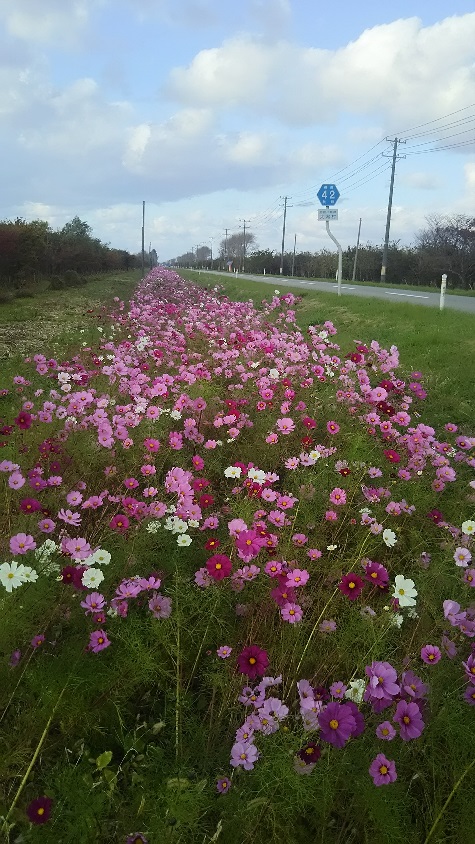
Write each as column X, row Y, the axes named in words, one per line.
column 329, row 195
column 442, row 291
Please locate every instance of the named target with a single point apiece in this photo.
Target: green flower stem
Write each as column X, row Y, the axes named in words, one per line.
column 35, row 755
column 314, row 629
column 449, row 798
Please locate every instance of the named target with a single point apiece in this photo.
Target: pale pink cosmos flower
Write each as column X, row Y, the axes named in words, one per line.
column 21, row 543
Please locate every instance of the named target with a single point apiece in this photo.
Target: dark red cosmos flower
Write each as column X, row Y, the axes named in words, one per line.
column 30, row 505
column 351, row 585
column 310, row 753
column 436, row 516
column 309, row 422
column 345, row 471
column 23, row 420
column 205, row 500
column 253, row 661
column 354, row 356
column 392, row 455
column 199, row 483
column 39, row 810
column 73, row 575
column 307, row 441
column 212, row 543
column 219, row 566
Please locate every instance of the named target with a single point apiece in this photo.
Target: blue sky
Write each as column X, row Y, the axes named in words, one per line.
column 211, row 111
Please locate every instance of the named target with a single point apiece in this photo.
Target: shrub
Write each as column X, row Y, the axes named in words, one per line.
column 56, row 283
column 72, row 278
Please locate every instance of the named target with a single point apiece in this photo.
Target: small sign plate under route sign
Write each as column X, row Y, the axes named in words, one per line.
column 328, row 213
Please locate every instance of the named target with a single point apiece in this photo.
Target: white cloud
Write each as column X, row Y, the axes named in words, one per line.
column 46, row 21
column 421, row 180
column 402, row 70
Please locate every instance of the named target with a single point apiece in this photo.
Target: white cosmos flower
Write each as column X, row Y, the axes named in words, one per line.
column 355, row 690
column 101, row 557
column 183, row 540
column 11, row 575
column 175, row 414
column 256, row 475
column 314, row 454
column 233, row 472
column 389, row 537
column 397, row 620
column 29, row 575
column 405, row 591
column 92, row 578
column 274, row 373
column 468, row 527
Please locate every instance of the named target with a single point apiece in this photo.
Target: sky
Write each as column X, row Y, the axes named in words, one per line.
column 212, row 111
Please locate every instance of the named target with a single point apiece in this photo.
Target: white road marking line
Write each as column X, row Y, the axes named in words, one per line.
column 344, row 287
column 414, row 295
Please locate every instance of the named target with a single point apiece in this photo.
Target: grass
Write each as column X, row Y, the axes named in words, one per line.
column 421, row 288
column 441, row 345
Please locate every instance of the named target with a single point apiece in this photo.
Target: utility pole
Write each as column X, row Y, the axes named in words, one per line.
column 293, row 256
column 244, row 244
column 143, row 238
column 390, row 203
column 226, row 244
column 211, row 241
column 356, row 252
column 283, row 237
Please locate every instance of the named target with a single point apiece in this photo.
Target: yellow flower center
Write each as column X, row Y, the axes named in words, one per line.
column 334, row 724
column 385, row 731
column 383, row 770
column 40, row 811
column 252, row 660
column 218, row 565
column 406, row 719
column 352, row 584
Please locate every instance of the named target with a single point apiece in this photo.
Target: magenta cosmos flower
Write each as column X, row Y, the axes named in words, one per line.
column 337, row 723
column 382, row 770
column 98, row 641
column 409, row 718
column 430, row 654
column 39, row 810
column 223, row 785
column 351, row 585
column 119, row 523
column 219, row 566
column 253, row 661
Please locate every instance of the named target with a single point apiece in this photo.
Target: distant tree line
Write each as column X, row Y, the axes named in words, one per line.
column 32, row 251
column 445, row 245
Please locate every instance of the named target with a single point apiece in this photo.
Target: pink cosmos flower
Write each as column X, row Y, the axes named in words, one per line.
column 332, row 427
column 337, row 723
column 21, row 543
column 285, row 425
column 46, row 525
column 409, row 718
column 244, row 754
column 297, row 577
column 160, row 606
column 291, row 612
column 224, row 651
column 338, row 496
column 16, row 480
column 382, row 770
column 385, row 731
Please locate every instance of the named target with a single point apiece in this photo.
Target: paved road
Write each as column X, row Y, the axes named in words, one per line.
column 458, row 303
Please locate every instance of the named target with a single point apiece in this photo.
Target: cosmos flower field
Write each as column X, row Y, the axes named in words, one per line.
column 236, row 585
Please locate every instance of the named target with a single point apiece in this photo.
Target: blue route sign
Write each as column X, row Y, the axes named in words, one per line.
column 328, row 194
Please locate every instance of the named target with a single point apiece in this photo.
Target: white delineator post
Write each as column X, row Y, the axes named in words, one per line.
column 442, row 291
column 340, row 256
